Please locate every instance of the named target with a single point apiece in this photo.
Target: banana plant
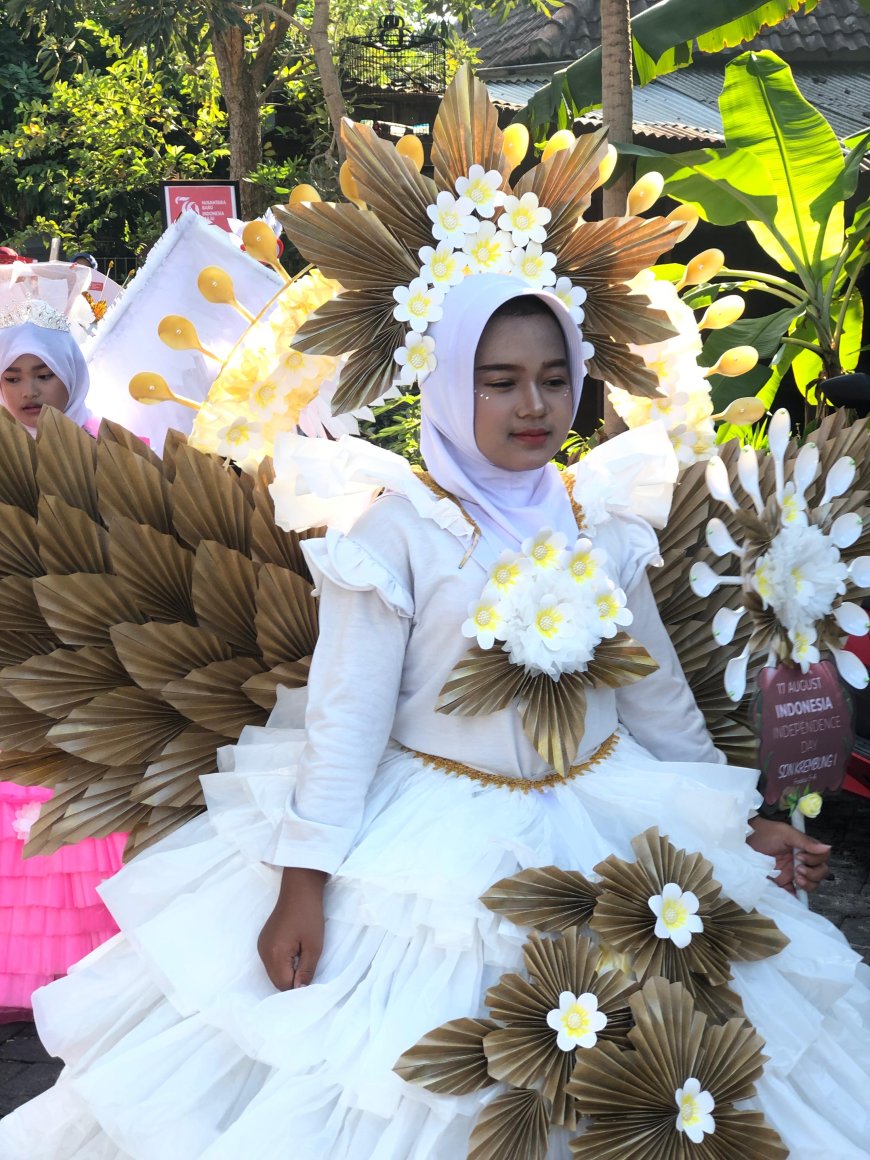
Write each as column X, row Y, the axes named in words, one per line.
column 785, row 174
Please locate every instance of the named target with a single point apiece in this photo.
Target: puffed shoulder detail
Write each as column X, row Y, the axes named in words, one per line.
column 349, row 564
column 632, row 544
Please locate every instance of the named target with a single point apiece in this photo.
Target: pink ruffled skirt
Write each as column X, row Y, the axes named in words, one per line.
column 50, row 913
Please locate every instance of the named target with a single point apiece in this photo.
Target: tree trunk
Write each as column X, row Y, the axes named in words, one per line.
column 616, row 91
column 243, row 113
column 323, row 58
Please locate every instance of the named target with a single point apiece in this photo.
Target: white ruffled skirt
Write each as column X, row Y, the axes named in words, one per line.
column 178, row 1048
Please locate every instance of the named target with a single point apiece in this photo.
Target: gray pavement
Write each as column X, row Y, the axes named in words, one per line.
column 26, row 1069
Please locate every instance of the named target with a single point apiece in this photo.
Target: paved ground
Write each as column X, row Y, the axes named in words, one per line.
column 26, row 1069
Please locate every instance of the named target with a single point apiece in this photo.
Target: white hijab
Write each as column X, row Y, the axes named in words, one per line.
column 60, row 352
column 509, row 506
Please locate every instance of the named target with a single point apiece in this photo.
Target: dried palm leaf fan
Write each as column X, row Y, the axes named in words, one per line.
column 683, row 542
column 373, row 246
column 152, row 609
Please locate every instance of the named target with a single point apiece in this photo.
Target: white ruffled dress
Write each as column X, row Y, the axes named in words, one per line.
column 176, row 1045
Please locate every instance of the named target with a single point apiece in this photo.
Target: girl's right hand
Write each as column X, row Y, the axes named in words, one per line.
column 292, row 938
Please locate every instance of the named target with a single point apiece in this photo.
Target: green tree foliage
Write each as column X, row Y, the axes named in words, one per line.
column 783, row 172
column 84, row 156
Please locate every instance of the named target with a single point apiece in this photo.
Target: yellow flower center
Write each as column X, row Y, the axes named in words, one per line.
column 548, row 621
column 674, row 914
column 689, row 1112
column 265, row 394
column 418, row 357
column 504, row 575
column 576, row 1021
column 479, row 192
column 237, row 434
column 442, row 267
column 418, row 305
column 294, row 360
column 608, row 607
column 483, row 617
column 541, row 551
column 581, row 567
column 522, row 219
column 531, row 265
column 449, row 219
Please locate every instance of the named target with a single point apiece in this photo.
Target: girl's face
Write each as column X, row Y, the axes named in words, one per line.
column 523, row 405
column 28, row 385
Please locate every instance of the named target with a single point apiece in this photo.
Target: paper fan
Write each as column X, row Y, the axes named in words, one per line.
column 672, row 1095
column 157, row 607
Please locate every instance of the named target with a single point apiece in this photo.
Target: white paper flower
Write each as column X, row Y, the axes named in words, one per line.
column 267, row 399
column 585, row 563
column 577, row 1021
column 416, row 358
column 676, row 914
column 794, row 506
column 546, row 549
column 24, row 818
column 506, row 572
column 488, row 250
column 418, row 304
column 611, row 611
column 482, row 189
column 484, row 621
column 452, row 218
column 524, row 219
column 803, row 646
column 441, row 265
column 552, row 620
column 800, row 575
column 694, row 1111
column 533, row 265
column 572, row 296
column 243, row 442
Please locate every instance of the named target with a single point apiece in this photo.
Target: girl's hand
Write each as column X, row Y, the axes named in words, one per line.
column 783, row 842
column 292, row 939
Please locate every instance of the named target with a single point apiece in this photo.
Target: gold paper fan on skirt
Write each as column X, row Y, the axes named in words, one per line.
column 157, row 607
column 677, row 1065
column 666, row 912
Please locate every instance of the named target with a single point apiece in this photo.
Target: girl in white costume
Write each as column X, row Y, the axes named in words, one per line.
column 179, row 1045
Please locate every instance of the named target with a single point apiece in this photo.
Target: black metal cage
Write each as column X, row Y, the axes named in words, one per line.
column 394, row 60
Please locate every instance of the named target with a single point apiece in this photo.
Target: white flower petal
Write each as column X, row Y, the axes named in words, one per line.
column 839, row 478
column 718, row 483
column 850, row 668
column 806, row 467
column 859, row 571
column 703, row 580
column 747, row 473
column 735, row 676
column 720, row 539
column 846, row 529
column 725, row 624
column 778, row 434
column 852, row 618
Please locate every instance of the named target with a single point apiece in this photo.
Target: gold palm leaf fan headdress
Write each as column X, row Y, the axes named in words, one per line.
column 151, row 609
column 408, row 238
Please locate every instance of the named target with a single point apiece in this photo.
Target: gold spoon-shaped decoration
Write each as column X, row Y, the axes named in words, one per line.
column 215, row 285
column 262, row 245
column 149, row 387
column 179, row 333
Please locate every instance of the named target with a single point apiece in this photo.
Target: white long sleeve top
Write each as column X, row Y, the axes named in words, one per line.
column 393, row 598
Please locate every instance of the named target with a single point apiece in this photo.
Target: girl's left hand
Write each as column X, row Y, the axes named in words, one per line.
column 782, row 842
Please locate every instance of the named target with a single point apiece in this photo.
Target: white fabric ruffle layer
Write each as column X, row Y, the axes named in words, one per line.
column 178, row 1048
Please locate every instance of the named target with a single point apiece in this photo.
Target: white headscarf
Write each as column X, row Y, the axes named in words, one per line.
column 509, row 506
column 60, row 352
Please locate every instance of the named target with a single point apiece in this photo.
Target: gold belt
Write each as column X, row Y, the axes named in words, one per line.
column 524, row 785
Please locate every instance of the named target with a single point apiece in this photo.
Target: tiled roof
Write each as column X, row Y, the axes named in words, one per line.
column 686, row 103
column 834, row 26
